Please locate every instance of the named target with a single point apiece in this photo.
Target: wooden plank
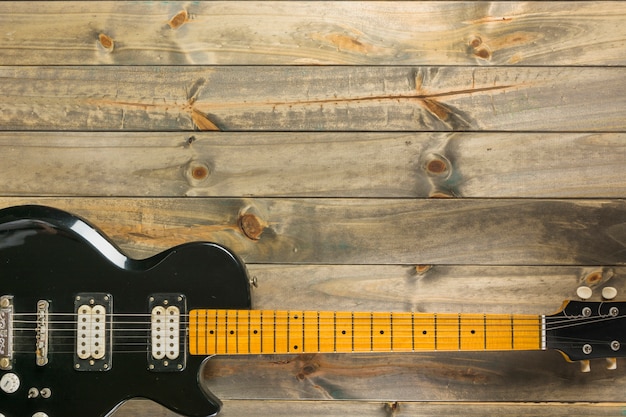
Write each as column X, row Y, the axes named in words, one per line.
column 313, row 98
column 280, row 164
column 368, row 231
column 427, row 288
column 450, row 376
column 272, row 408
column 285, row 33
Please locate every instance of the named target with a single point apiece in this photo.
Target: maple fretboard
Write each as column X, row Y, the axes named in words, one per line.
column 278, row 332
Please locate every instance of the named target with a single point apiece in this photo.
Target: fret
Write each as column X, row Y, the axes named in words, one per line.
column 402, row 328
column 267, row 331
column 448, row 332
column 243, row 335
column 499, row 335
column 254, row 331
column 210, row 334
column 221, row 330
column 381, row 332
column 425, row 332
column 326, row 331
column 343, row 332
column 279, row 331
column 526, row 331
column 311, row 332
column 472, row 331
column 281, row 338
column 362, row 332
column 194, row 335
column 295, row 331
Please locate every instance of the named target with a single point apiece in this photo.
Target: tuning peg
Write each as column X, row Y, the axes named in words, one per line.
column 585, row 366
column 609, row 293
column 611, row 364
column 584, row 293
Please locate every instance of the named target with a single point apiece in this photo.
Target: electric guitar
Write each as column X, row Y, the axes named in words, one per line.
column 74, row 308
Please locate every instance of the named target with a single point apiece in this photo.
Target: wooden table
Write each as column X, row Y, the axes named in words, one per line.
column 462, row 156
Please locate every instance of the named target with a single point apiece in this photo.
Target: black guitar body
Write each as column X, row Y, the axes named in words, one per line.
column 49, row 255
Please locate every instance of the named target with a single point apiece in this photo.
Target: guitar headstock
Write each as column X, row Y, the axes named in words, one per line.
column 584, row 330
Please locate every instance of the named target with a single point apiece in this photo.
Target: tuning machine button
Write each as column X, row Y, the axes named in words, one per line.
column 611, row 364
column 609, row 293
column 584, row 293
column 585, row 366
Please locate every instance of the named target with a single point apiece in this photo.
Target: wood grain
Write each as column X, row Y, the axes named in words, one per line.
column 454, row 377
column 313, row 98
column 367, row 231
column 486, row 165
column 320, row 183
column 485, row 377
column 310, row 32
column 347, row 408
column 536, row 376
column 427, row 288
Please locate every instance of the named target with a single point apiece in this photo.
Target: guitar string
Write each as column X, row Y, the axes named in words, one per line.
column 552, row 323
column 124, row 343
column 366, row 323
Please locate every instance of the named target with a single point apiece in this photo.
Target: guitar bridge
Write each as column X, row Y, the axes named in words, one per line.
column 6, row 332
column 41, row 333
column 93, row 332
column 167, row 348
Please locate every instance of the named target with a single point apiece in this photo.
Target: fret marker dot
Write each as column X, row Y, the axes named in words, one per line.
column 424, row 332
column 382, row 332
column 232, row 332
column 256, row 332
column 473, row 332
column 295, row 347
column 343, row 332
column 211, row 332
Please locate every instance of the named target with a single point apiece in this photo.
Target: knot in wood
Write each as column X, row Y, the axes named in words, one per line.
column 438, row 165
column 422, row 269
column 251, row 226
column 179, row 19
column 106, row 42
column 197, row 172
column 475, row 41
column 483, row 53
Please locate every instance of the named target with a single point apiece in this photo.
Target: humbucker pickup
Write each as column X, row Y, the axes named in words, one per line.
column 167, row 346
column 93, row 332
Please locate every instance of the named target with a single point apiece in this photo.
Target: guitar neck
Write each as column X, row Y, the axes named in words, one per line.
column 235, row 332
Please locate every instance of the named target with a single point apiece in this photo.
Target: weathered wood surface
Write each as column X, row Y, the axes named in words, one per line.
column 428, row 377
column 427, row 288
column 490, row 165
column 313, row 98
column 285, row 33
column 272, row 408
column 516, row 103
column 367, row 231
